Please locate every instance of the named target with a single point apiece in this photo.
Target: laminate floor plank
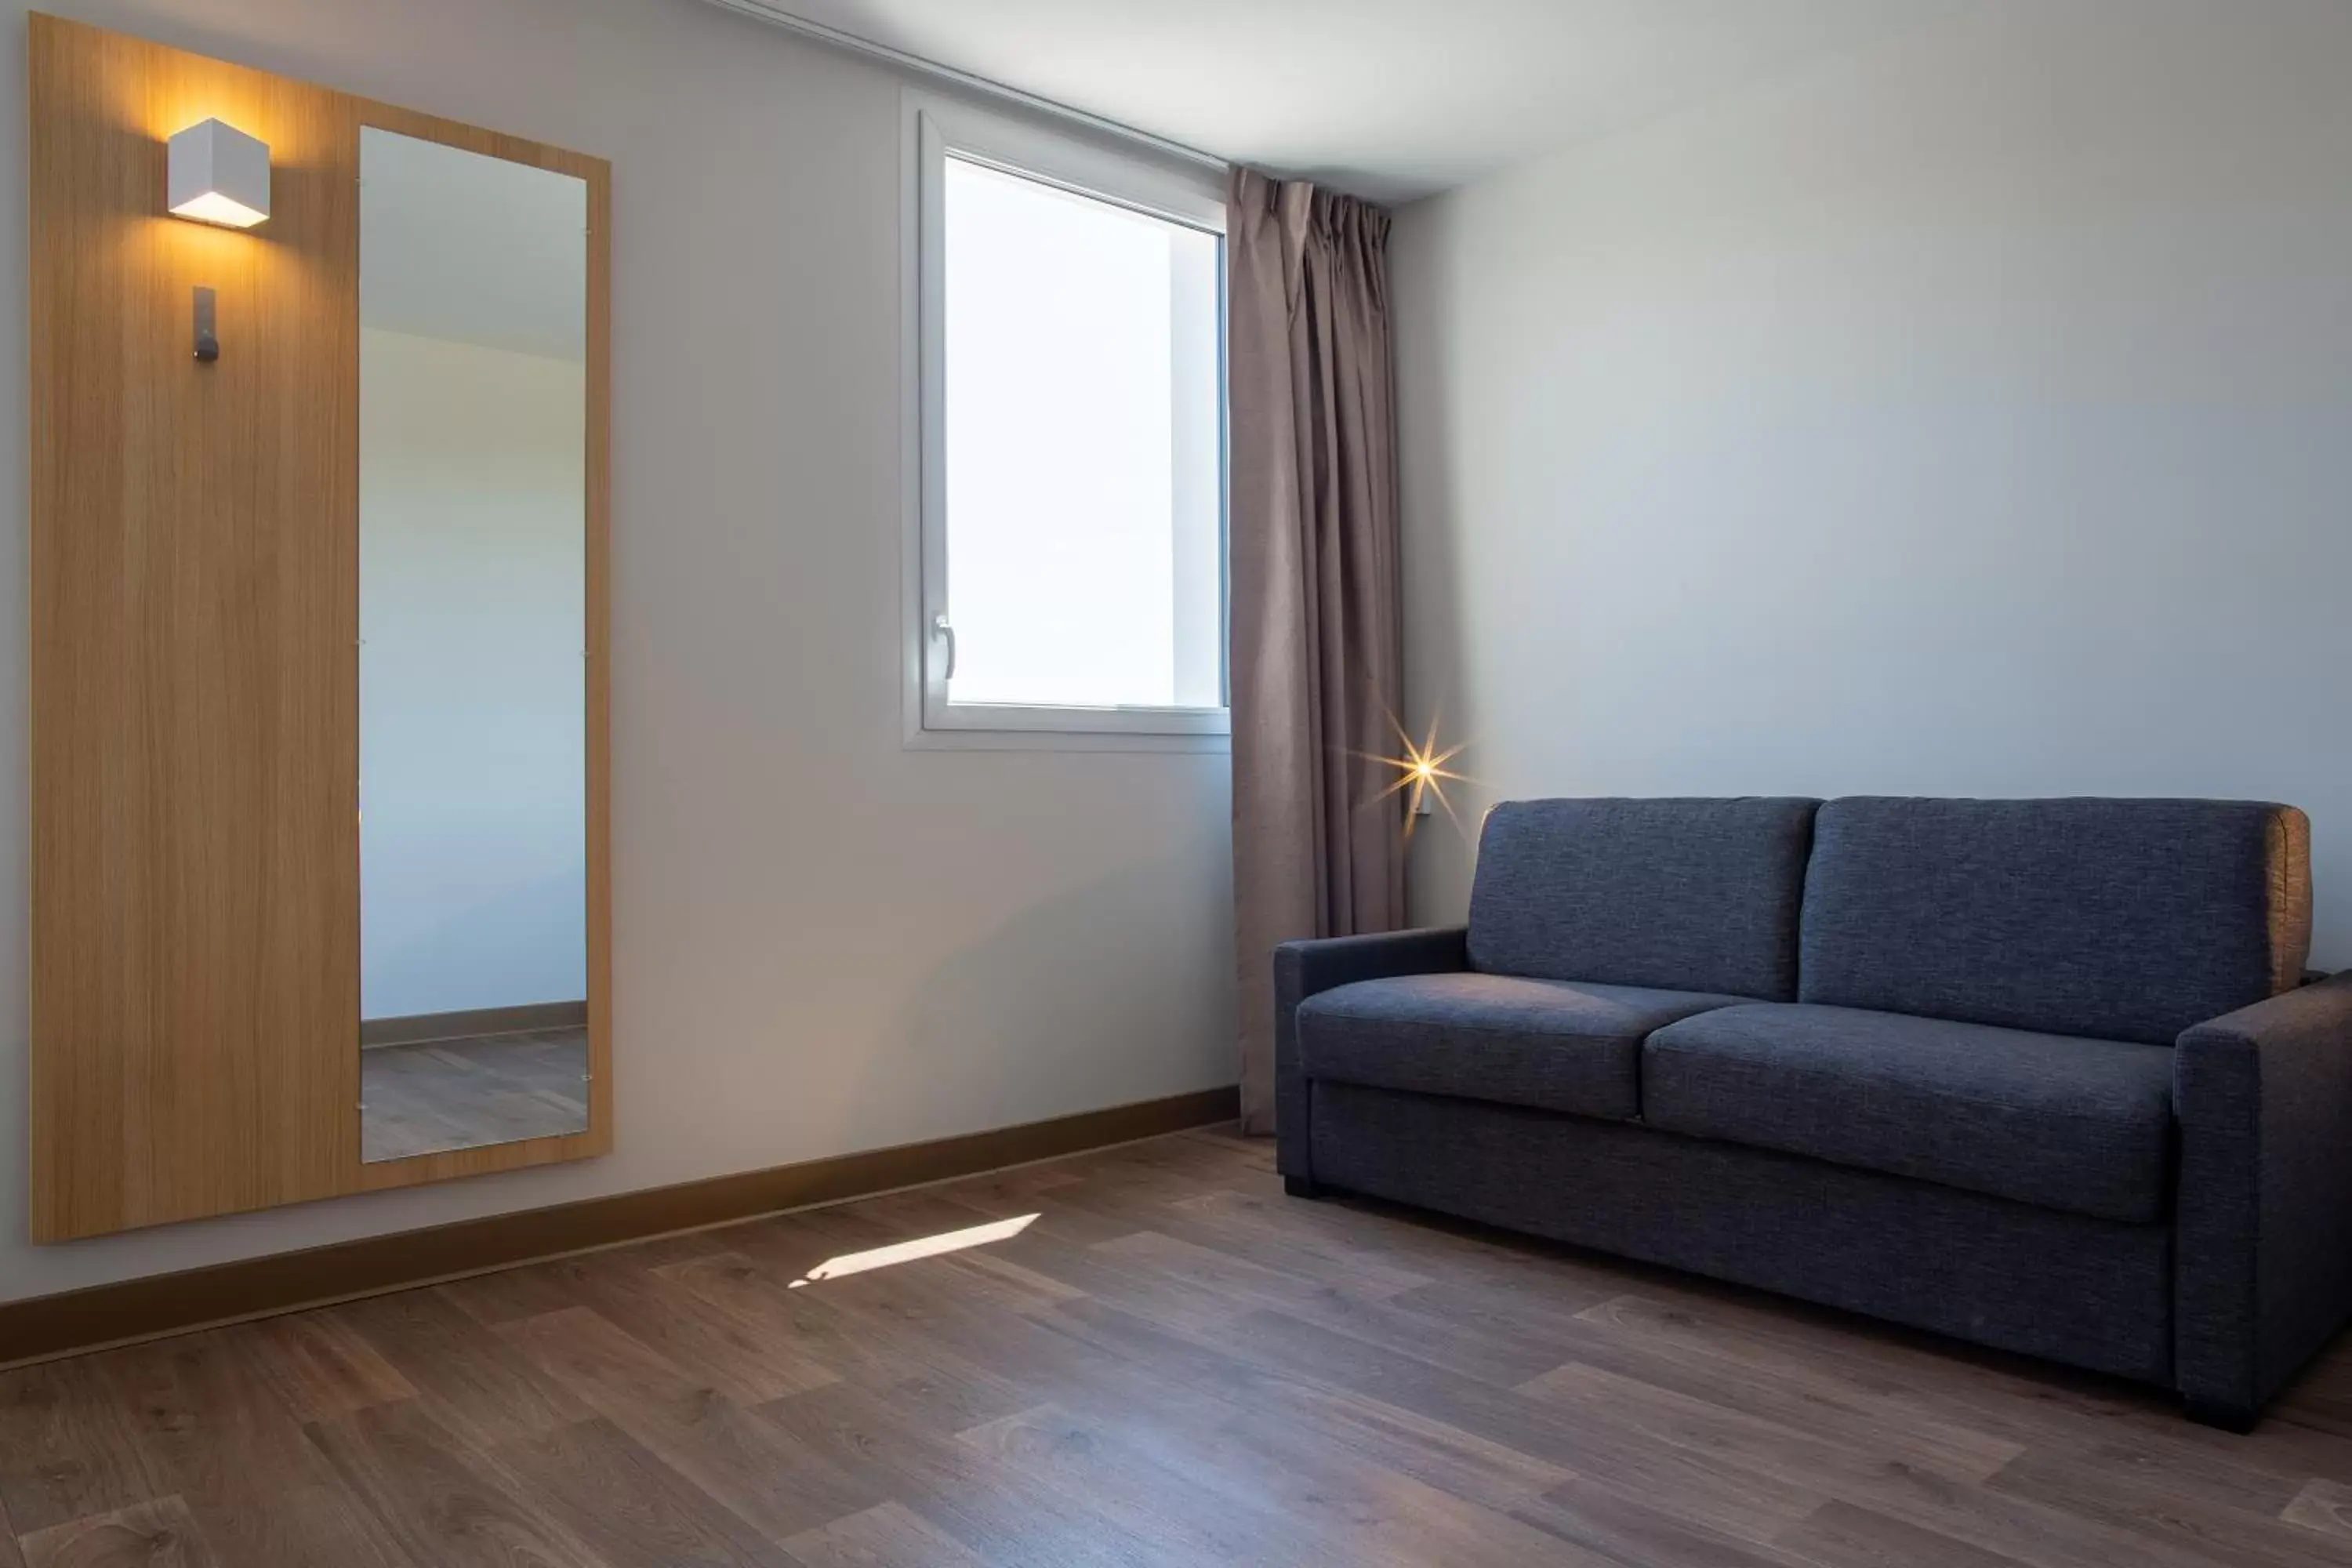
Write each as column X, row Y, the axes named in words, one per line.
column 1253, row 1239
column 67, row 1450
column 1453, row 1251
column 999, row 1515
column 1388, row 1482
column 1932, row 1499
column 1083, row 1456
column 631, row 1510
column 158, row 1534
column 2121, row 1435
column 759, row 1297
column 1339, row 1504
column 320, row 1366
column 880, row 1330
column 1768, row 1404
column 471, row 1378
column 2321, row 1399
column 887, row 1535
column 2111, row 1427
column 1712, row 1487
column 1447, row 1457
column 227, row 1438
column 2125, row 1502
column 2324, row 1507
column 1842, row 1536
column 699, row 1339
column 1628, row 1528
column 447, row 1503
column 780, row 1488
column 530, row 1289
column 1146, row 1355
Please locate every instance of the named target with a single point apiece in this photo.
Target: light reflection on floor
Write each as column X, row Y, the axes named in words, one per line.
column 850, row 1263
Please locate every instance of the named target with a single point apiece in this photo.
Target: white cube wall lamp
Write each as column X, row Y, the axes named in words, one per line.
column 218, row 175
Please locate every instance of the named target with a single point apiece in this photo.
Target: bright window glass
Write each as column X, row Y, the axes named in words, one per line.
column 1083, row 469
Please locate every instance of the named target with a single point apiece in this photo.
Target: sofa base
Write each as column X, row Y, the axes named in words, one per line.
column 2238, row 1418
column 1302, row 1187
column 2089, row 1293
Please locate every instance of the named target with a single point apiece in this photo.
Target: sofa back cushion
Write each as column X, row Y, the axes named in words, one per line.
column 1691, row 895
column 2122, row 920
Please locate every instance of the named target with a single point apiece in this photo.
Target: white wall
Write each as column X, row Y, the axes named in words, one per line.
column 473, row 696
column 823, row 942
column 1971, row 416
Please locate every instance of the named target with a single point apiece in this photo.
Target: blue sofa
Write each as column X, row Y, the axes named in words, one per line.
column 2046, row 1074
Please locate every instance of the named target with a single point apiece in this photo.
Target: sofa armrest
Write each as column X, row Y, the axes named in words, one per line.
column 1301, row 969
column 2263, row 1246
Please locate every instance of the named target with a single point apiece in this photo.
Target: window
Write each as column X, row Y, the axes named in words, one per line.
column 1070, row 312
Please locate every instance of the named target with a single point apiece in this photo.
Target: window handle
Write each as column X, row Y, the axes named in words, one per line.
column 940, row 627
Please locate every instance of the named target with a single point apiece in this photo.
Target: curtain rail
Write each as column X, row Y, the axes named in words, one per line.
column 776, row 15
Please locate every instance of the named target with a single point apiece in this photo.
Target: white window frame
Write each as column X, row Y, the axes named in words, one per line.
column 935, row 128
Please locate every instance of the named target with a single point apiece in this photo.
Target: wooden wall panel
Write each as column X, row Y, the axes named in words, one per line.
column 194, row 617
column 194, row 573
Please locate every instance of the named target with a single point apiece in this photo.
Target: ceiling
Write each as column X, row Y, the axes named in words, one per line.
column 1390, row 98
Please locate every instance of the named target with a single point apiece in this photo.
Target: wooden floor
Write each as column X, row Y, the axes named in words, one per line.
column 435, row 1095
column 1170, row 1362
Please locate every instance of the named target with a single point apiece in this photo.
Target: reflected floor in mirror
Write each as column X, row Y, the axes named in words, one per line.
column 437, row 1095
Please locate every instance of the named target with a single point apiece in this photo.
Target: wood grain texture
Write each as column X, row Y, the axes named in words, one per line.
column 195, row 674
column 2325, row 1507
column 193, row 571
column 67, row 1450
column 253, row 1488
column 631, row 1510
column 158, row 1534
column 445, row 1501
column 1170, row 1364
column 888, row 1535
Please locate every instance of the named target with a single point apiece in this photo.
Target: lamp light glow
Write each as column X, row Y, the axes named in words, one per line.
column 1423, row 772
column 218, row 175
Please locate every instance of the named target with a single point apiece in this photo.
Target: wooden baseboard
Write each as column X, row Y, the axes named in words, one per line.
column 416, row 1029
column 46, row 1327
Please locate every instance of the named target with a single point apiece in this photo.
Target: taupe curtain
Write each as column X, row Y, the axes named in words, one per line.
column 1318, row 837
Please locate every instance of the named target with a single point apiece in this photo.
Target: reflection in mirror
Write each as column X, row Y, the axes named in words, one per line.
column 473, row 728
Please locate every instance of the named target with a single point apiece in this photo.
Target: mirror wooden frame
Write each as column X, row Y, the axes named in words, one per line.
column 194, row 567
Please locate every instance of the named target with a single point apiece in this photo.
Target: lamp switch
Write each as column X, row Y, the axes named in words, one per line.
column 207, row 336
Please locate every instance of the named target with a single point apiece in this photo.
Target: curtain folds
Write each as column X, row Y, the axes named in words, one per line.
column 1319, row 832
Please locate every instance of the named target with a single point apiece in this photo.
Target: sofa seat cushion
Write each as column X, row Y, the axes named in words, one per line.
column 2079, row 1125
column 1555, row 1045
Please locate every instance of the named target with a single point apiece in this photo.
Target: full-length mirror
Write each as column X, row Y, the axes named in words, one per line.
column 473, row 701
